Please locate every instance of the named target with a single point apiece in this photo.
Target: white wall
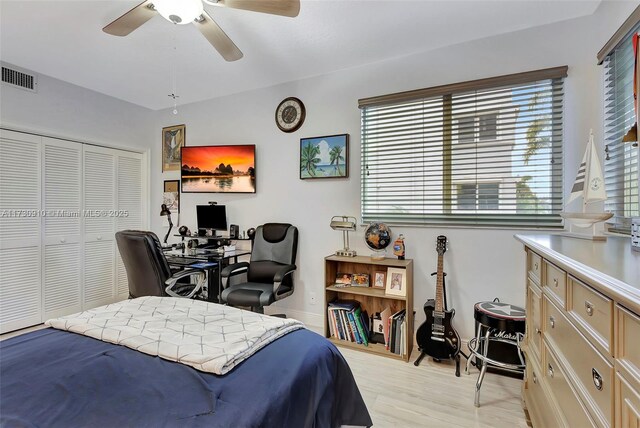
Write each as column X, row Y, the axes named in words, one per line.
column 63, row 110
column 481, row 264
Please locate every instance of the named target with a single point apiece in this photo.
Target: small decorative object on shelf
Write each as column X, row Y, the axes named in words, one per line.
column 345, row 224
column 398, row 247
column 378, row 237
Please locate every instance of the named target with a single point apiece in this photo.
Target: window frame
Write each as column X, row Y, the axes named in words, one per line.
column 449, row 137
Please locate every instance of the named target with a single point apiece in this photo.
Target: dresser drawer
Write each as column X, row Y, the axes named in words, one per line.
column 555, row 281
column 594, row 314
column 534, row 318
column 628, row 342
column 536, row 400
column 584, row 364
column 566, row 399
column 534, row 266
column 627, row 404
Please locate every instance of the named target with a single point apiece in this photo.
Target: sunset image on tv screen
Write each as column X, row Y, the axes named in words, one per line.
column 228, row 169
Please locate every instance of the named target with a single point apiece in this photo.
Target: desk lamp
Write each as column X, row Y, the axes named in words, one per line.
column 346, row 224
column 165, row 211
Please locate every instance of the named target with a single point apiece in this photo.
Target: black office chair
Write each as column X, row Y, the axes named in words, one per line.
column 148, row 271
column 269, row 275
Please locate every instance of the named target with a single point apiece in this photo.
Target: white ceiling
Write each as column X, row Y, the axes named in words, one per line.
column 63, row 39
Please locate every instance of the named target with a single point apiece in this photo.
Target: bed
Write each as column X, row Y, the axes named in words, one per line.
column 58, row 378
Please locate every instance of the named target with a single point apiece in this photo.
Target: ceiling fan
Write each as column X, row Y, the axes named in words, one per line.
column 192, row 11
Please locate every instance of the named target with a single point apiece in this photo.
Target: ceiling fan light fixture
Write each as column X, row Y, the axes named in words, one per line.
column 179, row 11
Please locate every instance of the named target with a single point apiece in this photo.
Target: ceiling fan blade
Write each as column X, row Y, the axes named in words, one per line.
column 275, row 7
column 218, row 38
column 131, row 20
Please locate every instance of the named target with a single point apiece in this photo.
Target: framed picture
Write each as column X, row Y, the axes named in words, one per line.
column 343, row 279
column 379, row 279
column 396, row 282
column 218, row 169
column 171, row 195
column 324, row 157
column 360, row 280
column 173, row 138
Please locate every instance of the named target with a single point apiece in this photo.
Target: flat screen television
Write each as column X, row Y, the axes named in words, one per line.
column 218, row 169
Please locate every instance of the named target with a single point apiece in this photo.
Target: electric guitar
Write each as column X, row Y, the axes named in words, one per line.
column 436, row 337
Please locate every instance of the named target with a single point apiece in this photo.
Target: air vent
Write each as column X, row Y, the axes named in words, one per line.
column 19, row 79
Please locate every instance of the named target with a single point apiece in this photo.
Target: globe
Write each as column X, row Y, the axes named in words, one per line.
column 377, row 236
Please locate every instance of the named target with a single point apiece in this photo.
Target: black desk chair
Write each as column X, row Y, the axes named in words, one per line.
column 268, row 276
column 148, row 271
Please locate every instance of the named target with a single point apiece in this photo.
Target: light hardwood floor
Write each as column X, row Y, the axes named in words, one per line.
column 400, row 395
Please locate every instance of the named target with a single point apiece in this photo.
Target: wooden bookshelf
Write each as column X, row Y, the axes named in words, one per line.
column 371, row 299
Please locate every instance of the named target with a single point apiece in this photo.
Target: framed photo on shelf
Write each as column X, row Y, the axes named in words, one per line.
column 343, row 279
column 173, row 138
column 396, row 282
column 379, row 279
column 360, row 280
column 324, row 157
column 171, row 195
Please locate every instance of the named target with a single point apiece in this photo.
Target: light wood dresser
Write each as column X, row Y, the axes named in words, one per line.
column 583, row 332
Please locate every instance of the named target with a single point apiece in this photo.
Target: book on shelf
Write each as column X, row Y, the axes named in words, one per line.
column 345, row 318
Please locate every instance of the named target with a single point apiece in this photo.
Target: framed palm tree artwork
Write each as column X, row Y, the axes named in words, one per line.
column 324, row 157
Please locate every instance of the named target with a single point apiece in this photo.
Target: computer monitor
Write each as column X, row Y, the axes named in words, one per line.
column 211, row 217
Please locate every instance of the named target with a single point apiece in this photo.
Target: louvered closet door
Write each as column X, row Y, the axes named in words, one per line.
column 20, row 223
column 130, row 200
column 99, row 174
column 62, row 199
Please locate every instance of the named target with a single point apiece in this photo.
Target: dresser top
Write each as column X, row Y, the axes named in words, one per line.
column 610, row 266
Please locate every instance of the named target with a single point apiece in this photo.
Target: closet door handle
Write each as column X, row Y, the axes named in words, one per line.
column 552, row 322
column 550, row 369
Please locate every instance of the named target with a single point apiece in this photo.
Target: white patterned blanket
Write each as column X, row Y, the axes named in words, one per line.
column 207, row 336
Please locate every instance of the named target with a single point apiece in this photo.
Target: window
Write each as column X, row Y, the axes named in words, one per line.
column 486, row 153
column 481, row 197
column 621, row 161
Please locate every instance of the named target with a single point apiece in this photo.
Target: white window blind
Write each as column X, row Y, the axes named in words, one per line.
column 486, row 153
column 621, row 162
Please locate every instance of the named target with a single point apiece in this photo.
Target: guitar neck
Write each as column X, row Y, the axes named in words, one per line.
column 440, row 286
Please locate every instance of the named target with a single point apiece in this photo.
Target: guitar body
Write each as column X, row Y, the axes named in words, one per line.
column 440, row 350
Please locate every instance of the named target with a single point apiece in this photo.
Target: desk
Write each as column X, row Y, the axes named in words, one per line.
column 214, row 282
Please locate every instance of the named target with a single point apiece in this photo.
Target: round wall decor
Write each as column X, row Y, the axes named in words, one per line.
column 290, row 114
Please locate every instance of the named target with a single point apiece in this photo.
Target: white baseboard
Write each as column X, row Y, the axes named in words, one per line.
column 311, row 320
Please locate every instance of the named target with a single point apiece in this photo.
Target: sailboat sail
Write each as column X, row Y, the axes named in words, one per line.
column 590, row 180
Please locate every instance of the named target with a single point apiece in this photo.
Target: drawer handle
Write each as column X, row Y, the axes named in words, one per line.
column 63, row 240
column 555, row 281
column 99, row 238
column 535, row 266
column 589, row 307
column 538, row 331
column 597, row 379
column 550, row 371
column 534, row 378
column 552, row 322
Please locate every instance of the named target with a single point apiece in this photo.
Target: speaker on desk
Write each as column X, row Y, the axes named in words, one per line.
column 233, row 231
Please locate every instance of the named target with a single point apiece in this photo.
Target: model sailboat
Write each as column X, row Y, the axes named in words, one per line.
column 589, row 185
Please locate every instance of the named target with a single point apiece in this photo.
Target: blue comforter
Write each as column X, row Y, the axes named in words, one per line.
column 51, row 378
